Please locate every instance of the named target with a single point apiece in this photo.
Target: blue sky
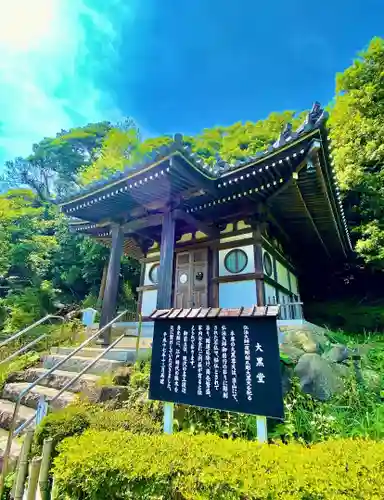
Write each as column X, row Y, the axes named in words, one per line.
column 174, row 65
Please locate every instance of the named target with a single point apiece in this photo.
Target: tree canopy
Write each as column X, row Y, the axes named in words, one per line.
column 357, row 132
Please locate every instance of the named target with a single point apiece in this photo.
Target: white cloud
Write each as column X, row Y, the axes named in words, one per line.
column 49, row 70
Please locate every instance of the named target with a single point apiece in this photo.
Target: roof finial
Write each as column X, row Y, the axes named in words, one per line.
column 178, row 139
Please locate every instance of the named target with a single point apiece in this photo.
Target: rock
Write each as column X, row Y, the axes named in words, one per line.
column 106, row 393
column 113, row 392
column 286, row 378
column 342, row 370
column 337, row 353
column 122, row 375
column 302, row 339
column 318, row 377
column 294, row 353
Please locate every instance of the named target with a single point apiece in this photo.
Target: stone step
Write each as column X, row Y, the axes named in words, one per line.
column 57, row 379
column 13, row 390
column 78, row 363
column 6, row 413
column 124, row 355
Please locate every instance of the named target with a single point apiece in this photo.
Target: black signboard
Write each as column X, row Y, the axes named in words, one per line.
column 225, row 363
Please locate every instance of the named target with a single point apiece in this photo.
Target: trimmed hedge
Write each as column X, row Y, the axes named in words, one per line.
column 60, row 424
column 74, row 420
column 119, row 465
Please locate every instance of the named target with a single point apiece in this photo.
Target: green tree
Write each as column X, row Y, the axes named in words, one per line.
column 357, row 133
column 53, row 166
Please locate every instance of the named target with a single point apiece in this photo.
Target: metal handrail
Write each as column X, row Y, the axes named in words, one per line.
column 34, row 384
column 28, row 328
column 30, row 344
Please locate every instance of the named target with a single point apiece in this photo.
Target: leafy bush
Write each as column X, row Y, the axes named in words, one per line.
column 348, row 316
column 124, row 419
column 61, row 424
column 28, row 305
column 20, row 363
column 74, row 420
column 110, row 465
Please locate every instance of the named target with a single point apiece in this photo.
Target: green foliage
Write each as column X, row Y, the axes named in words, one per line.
column 207, row 467
column 357, row 132
column 349, row 316
column 242, row 139
column 121, row 147
column 61, row 424
column 126, row 420
column 27, row 305
column 53, row 165
column 20, row 363
column 128, row 299
column 75, row 419
column 8, row 484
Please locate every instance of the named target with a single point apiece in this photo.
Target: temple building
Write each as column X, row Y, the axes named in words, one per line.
column 227, row 235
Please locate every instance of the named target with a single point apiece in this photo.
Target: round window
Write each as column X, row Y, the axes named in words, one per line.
column 236, row 261
column 183, row 278
column 268, row 267
column 154, row 273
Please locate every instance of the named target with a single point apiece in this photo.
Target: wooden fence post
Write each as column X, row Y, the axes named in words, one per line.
column 21, row 473
column 44, row 469
column 34, row 470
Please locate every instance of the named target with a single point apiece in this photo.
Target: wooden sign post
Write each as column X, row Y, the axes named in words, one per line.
column 224, row 359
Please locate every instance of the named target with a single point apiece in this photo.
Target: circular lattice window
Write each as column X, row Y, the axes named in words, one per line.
column 267, row 263
column 154, row 273
column 235, row 261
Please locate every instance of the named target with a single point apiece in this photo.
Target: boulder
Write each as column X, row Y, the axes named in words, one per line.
column 318, row 376
column 294, row 353
column 287, row 373
column 337, row 353
column 122, row 375
column 302, row 339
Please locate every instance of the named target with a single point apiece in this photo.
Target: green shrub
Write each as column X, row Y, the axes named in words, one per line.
column 61, row 424
column 126, row 420
column 74, row 420
column 348, row 316
column 20, row 363
column 110, row 465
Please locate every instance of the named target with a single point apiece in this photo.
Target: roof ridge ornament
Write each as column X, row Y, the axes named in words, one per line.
column 313, row 119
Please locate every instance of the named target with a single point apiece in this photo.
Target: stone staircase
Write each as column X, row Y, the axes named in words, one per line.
column 50, row 386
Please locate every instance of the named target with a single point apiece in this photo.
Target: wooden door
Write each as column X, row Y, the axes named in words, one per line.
column 199, row 277
column 191, row 286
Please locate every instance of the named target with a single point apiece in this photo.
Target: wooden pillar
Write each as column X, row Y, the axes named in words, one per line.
column 140, row 297
column 167, row 250
column 214, row 274
column 258, row 253
column 108, row 310
column 102, row 285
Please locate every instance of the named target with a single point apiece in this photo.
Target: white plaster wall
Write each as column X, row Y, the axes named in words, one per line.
column 294, row 284
column 270, row 293
column 249, row 268
column 282, row 275
column 148, row 304
column 237, row 294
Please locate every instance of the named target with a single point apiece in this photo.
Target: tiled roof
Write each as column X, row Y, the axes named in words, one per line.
column 314, row 119
column 212, row 312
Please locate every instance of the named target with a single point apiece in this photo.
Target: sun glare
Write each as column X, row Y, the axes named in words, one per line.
column 26, row 25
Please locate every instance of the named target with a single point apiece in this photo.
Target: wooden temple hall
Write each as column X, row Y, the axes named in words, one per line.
column 227, row 235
